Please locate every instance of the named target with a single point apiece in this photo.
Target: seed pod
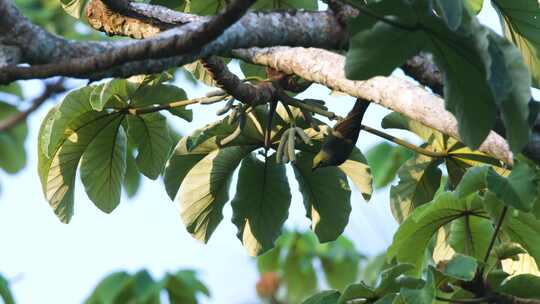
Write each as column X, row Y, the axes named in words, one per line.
column 290, row 145
column 226, row 108
column 281, row 147
column 218, row 92
column 302, row 135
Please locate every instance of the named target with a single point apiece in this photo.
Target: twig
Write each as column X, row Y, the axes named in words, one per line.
column 50, row 90
column 176, row 104
column 463, row 301
column 495, row 233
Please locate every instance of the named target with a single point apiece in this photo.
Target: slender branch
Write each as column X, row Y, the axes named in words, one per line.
column 50, row 90
column 175, row 104
column 462, row 301
column 495, row 233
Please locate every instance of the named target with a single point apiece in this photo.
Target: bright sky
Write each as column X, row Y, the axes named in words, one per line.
column 50, row 262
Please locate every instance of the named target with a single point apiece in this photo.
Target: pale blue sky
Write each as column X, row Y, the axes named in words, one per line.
column 51, row 262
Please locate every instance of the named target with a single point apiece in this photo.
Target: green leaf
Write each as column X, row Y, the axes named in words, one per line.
column 475, row 6
column 114, row 91
column 522, row 228
column 132, row 179
column 508, row 250
column 425, row 295
column 340, row 262
column 518, row 190
column 150, row 134
column 521, row 21
column 396, row 120
column 103, row 166
column 356, row 291
column 419, row 179
column 389, row 278
column 5, row 292
column 12, row 151
column 180, row 163
column 325, row 297
column 473, row 180
column 370, row 39
column 468, row 236
column 269, row 261
column 326, row 195
column 74, row 7
column 184, row 287
column 523, row 286
column 510, row 82
column 384, row 161
column 161, row 94
column 261, row 204
column 461, row 267
column 13, row 88
column 450, row 11
column 299, row 274
column 205, row 190
column 253, row 70
column 414, row 234
column 108, row 290
column 357, row 169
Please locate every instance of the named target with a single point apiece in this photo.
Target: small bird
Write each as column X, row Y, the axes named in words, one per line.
column 338, row 145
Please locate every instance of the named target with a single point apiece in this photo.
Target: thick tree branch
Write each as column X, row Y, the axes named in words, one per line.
column 189, row 41
column 399, row 95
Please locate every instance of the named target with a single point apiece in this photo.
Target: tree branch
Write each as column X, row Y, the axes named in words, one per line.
column 50, row 90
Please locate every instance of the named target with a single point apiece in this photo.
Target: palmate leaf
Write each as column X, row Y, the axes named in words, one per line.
column 205, row 190
column 468, row 236
column 261, row 204
column 416, row 231
column 520, row 21
column 326, row 195
column 475, row 64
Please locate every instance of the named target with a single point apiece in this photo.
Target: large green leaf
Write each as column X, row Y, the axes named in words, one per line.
column 518, row 190
column 384, row 161
column 370, row 38
column 522, row 228
column 103, row 166
column 205, row 190
column 150, row 134
column 12, row 152
column 325, row 297
column 261, row 204
column 183, row 287
column 524, row 286
column 357, row 169
column 102, row 94
column 419, row 179
column 108, row 290
column 424, row 295
column 132, row 179
column 461, row 267
column 521, row 23
column 468, row 236
column 414, row 234
column 357, row 291
column 326, row 196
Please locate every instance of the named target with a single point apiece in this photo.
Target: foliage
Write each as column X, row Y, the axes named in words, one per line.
column 463, row 215
column 182, row 286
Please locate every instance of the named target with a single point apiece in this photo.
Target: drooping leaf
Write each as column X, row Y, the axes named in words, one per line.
column 184, row 287
column 416, row 231
column 205, row 190
column 132, row 180
column 326, row 195
column 103, row 166
column 419, row 179
column 5, row 292
column 523, row 286
column 108, row 289
column 468, row 236
column 357, row 169
column 150, row 134
column 384, row 161
column 261, row 204
column 520, row 20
